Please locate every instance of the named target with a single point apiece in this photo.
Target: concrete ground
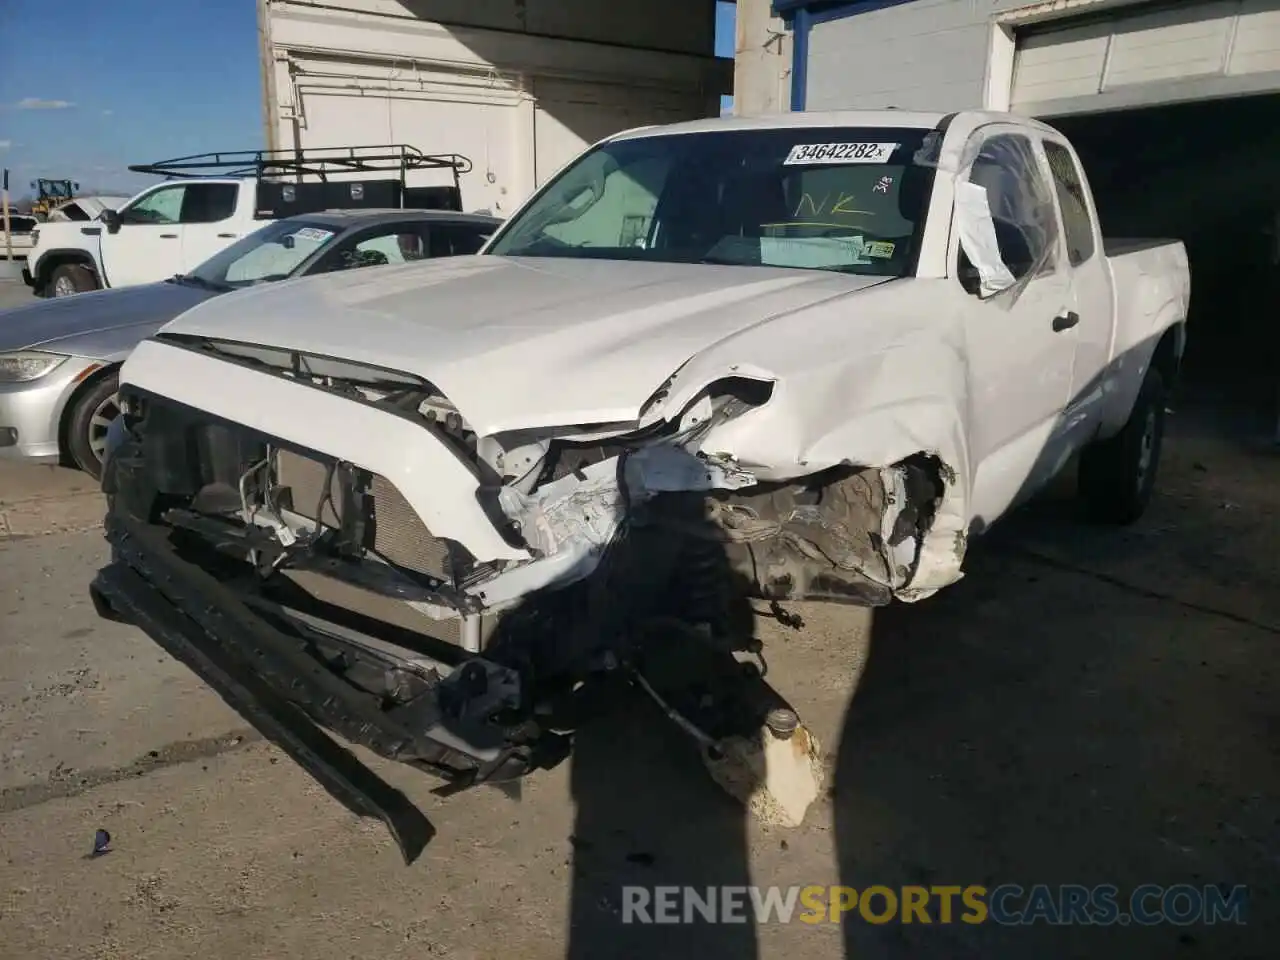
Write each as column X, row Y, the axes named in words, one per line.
column 1087, row 706
column 14, row 293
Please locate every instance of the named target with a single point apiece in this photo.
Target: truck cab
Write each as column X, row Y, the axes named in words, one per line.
column 176, row 225
column 166, row 229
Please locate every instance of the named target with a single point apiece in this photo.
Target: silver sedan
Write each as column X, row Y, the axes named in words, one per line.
column 59, row 358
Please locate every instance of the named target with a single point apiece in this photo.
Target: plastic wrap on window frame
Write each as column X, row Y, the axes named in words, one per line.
column 1036, row 219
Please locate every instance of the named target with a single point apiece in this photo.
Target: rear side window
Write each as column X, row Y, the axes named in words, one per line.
column 209, row 202
column 1077, row 225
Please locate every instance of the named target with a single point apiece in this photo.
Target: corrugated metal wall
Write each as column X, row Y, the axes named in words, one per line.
column 1146, row 56
column 925, row 55
column 934, row 54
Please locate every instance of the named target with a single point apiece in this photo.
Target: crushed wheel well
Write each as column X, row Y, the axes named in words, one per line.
column 827, row 536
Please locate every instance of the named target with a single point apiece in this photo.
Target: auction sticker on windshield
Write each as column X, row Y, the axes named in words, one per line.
column 839, row 153
column 312, row 234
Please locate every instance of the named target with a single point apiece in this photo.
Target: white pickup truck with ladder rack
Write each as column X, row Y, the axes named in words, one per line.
column 208, row 201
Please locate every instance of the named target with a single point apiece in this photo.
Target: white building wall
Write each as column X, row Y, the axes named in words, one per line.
column 956, row 54
column 762, row 60
column 517, row 86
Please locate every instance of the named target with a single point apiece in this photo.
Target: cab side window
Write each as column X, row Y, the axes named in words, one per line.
column 162, row 206
column 1020, row 203
column 1077, row 224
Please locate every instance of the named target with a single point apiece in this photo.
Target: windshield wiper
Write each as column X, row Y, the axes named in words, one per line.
column 724, row 261
column 191, row 280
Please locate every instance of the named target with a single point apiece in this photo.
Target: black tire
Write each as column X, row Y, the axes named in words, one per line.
column 72, row 278
column 87, row 421
column 1118, row 475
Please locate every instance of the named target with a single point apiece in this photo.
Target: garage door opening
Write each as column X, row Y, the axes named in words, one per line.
column 1204, row 173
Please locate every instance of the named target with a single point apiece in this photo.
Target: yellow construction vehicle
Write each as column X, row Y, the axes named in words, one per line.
column 51, row 193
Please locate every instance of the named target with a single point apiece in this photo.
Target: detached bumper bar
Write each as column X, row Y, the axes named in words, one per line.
column 119, row 593
column 269, row 679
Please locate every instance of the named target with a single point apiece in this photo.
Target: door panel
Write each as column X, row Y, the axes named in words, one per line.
column 148, row 245
column 209, row 222
column 1020, row 369
column 1091, row 285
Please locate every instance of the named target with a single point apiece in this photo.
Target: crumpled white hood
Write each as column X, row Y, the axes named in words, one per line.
column 520, row 343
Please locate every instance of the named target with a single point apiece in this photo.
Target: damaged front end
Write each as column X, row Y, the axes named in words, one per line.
column 311, row 591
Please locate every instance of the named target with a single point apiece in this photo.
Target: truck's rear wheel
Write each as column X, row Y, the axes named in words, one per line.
column 1117, row 475
column 87, row 423
column 70, row 279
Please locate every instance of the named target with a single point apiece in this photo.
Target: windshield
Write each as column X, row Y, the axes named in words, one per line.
column 270, row 253
column 822, row 198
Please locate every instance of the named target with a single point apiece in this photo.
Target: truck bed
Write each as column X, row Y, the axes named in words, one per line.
column 1120, row 246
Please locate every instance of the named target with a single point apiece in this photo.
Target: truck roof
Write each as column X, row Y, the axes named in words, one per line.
column 782, row 121
column 912, row 119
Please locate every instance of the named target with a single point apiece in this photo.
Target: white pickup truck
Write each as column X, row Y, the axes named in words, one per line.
column 171, row 228
column 797, row 357
column 165, row 230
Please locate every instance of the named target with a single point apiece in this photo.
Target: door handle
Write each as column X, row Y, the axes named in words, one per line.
column 1065, row 321
column 168, row 236
column 228, row 236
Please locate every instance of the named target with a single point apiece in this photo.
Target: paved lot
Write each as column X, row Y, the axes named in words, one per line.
column 14, row 293
column 1087, row 706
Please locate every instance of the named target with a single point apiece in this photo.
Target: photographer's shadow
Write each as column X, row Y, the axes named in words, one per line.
column 648, row 815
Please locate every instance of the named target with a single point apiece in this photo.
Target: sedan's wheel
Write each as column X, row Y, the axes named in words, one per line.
column 88, row 421
column 72, row 278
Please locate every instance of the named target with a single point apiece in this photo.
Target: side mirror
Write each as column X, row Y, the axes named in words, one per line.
column 111, row 220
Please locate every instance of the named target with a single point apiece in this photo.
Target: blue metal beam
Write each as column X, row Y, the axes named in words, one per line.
column 800, row 24
column 838, row 8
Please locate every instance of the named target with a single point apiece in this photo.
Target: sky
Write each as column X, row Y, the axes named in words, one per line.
column 126, row 81
column 134, row 81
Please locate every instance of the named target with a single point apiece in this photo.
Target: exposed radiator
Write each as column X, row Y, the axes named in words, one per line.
column 399, row 535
